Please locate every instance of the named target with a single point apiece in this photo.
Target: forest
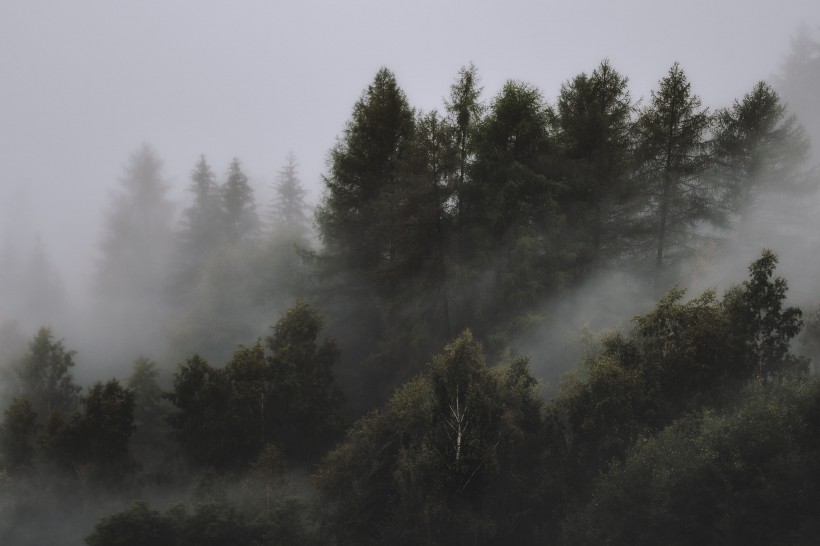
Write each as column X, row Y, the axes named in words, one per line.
column 402, row 363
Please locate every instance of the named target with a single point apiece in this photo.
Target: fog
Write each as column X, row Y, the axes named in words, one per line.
column 86, row 83
column 96, row 94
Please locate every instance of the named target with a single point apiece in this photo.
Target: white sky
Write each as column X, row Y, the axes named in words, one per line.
column 83, row 83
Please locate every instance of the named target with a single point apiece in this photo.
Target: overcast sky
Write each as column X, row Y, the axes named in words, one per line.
column 83, row 83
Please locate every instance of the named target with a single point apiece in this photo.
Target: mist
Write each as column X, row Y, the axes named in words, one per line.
column 205, row 237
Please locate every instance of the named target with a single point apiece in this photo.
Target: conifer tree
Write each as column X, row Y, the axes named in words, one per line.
column 241, row 221
column 758, row 146
column 672, row 150
column 289, row 206
column 594, row 135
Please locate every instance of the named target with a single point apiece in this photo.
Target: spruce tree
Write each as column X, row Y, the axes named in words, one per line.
column 674, row 161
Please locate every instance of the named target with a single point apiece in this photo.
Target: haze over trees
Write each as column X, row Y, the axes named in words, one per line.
column 359, row 384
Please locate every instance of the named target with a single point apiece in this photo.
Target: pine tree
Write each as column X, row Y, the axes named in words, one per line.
column 137, row 242
column 289, row 207
column 241, row 221
column 594, row 135
column 672, row 149
column 354, row 220
column 758, row 146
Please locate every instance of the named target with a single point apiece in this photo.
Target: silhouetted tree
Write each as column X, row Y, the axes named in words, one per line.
column 672, row 133
column 758, row 147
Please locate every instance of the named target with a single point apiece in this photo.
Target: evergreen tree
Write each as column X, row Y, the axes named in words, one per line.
column 18, row 436
column 512, row 229
column 289, row 207
column 136, row 243
column 672, row 133
column 241, row 221
column 758, row 147
column 203, row 220
column 799, row 81
column 364, row 165
column 44, row 377
column 594, row 135
column 465, row 113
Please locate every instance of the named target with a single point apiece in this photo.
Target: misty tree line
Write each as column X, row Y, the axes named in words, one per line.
column 442, row 229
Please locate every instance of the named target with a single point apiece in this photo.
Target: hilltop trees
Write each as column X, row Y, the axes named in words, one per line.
column 225, row 417
column 594, row 134
column 758, row 147
column 138, row 232
column 672, row 132
column 355, row 220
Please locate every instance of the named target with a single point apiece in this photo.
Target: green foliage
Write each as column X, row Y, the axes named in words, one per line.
column 672, row 152
column 303, row 406
column 451, row 459
column 103, row 431
column 210, row 524
column 226, row 416
column 135, row 526
column 289, row 208
column 18, row 436
column 762, row 323
column 44, row 375
column 679, row 358
column 745, row 477
column 239, row 209
column 758, row 147
column 137, row 243
column 363, row 165
column 593, row 121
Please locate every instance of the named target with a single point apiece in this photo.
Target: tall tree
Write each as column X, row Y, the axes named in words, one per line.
column 289, row 206
column 512, row 226
column 465, row 112
column 44, row 376
column 758, row 146
column 594, row 136
column 364, row 164
column 303, row 405
column 241, row 221
column 138, row 233
column 799, row 81
column 203, row 220
column 672, row 133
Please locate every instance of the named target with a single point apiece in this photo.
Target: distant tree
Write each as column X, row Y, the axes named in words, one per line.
column 43, row 376
column 289, row 207
column 201, row 395
column 138, row 233
column 151, row 409
column 799, row 80
column 102, row 432
column 759, row 147
column 44, row 297
column 672, row 131
column 203, row 221
column 303, row 405
column 18, row 436
column 239, row 206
